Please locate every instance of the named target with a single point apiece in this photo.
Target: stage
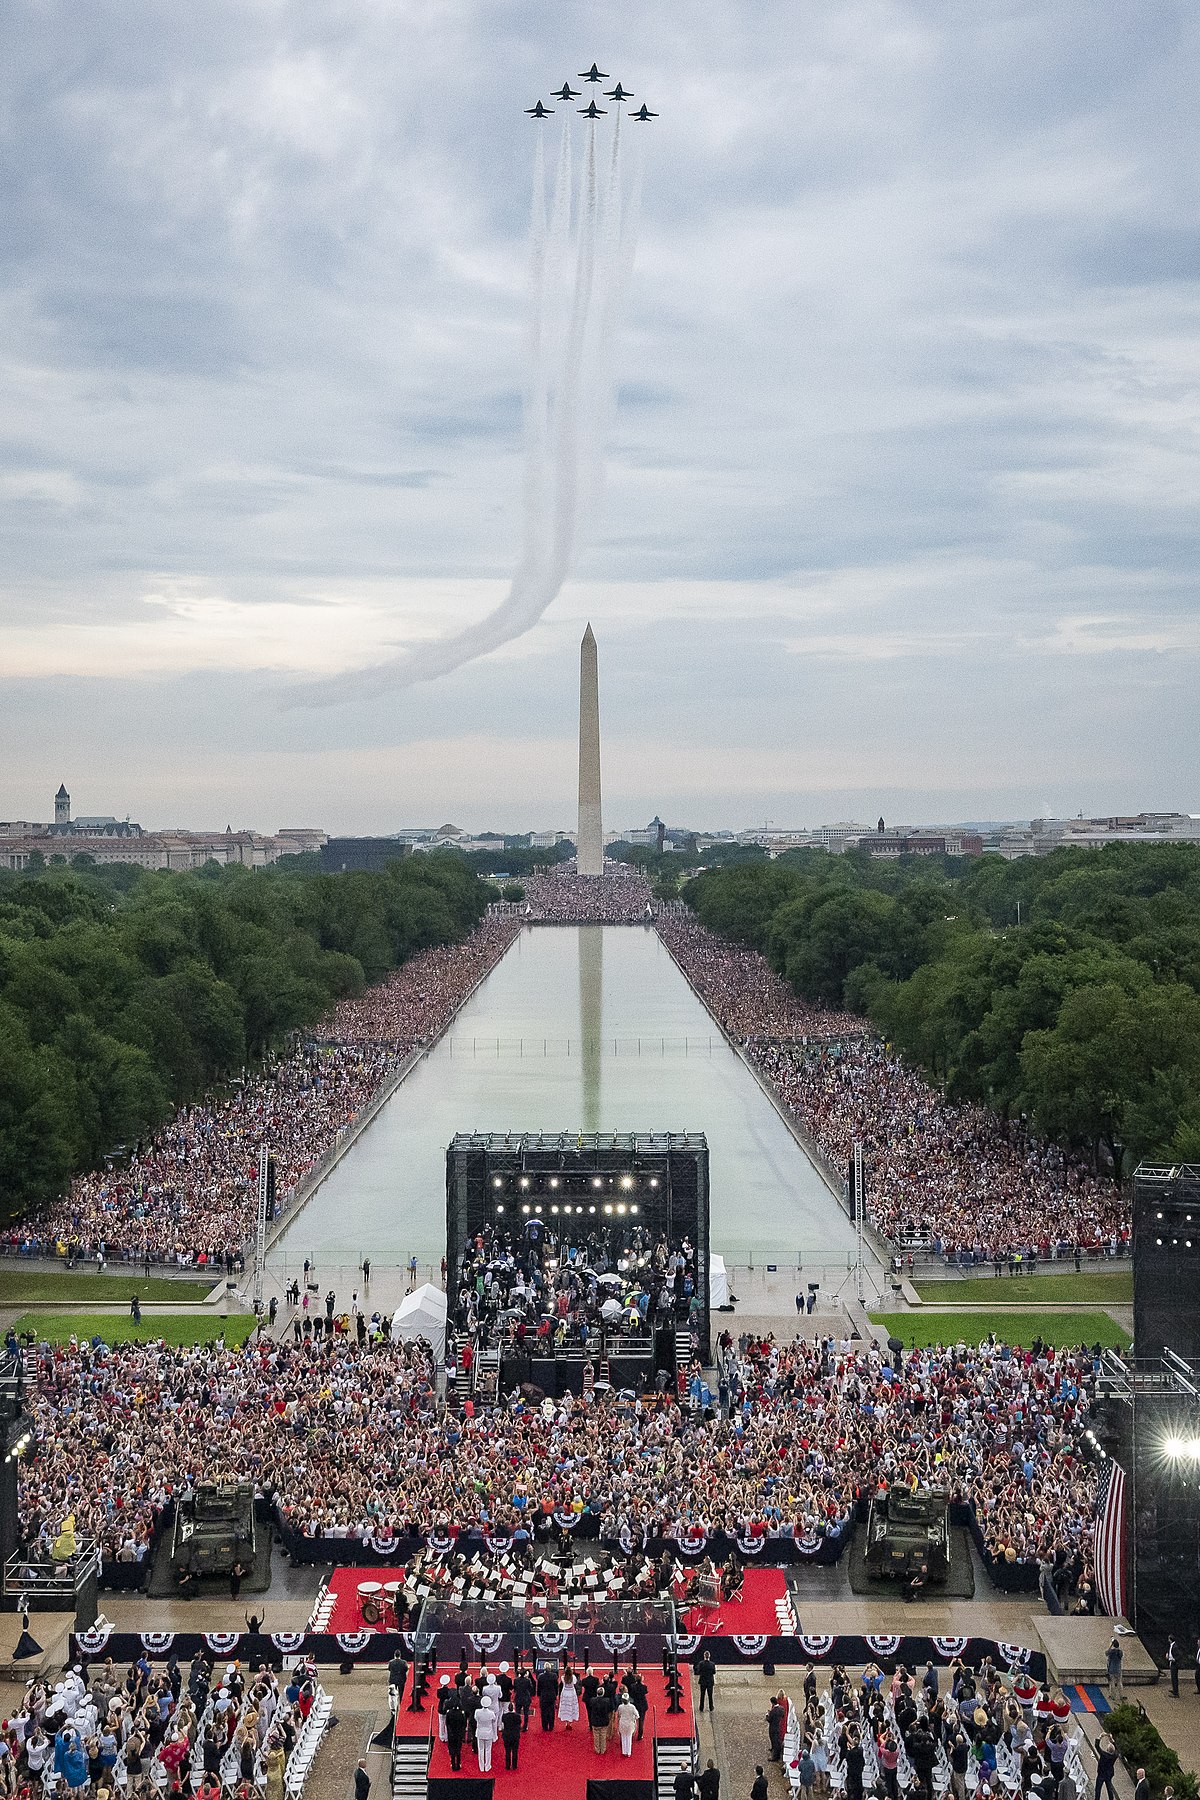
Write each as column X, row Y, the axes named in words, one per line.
column 560, row 1764
column 763, row 1609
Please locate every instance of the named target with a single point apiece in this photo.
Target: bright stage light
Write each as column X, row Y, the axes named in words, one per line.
column 1174, row 1446
column 621, row 1208
column 633, row 1209
column 524, row 1209
column 597, row 1181
column 608, row 1206
column 499, row 1206
column 554, row 1209
column 554, row 1181
column 654, row 1181
column 627, row 1181
column 496, row 1181
column 524, row 1181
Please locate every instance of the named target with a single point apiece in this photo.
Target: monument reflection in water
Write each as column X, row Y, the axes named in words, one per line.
column 591, row 1020
column 588, row 1025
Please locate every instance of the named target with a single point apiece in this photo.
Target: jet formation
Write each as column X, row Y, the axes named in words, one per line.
column 566, row 92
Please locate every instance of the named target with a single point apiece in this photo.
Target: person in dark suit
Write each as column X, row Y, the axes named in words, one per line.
column 640, row 1696
column 547, row 1694
column 362, row 1782
column 709, row 1782
column 1141, row 1789
column 706, row 1674
column 398, row 1676
column 510, row 1733
column 684, row 1785
column 775, row 1723
column 759, row 1790
column 523, row 1692
column 456, row 1731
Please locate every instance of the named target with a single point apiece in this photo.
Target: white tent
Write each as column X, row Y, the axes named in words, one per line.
column 422, row 1314
column 718, row 1281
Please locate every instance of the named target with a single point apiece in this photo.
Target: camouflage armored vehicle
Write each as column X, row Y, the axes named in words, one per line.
column 214, row 1528
column 906, row 1529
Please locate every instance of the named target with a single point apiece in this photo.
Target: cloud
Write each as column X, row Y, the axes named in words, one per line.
column 906, row 411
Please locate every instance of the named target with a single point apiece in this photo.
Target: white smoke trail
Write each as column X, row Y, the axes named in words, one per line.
column 566, row 408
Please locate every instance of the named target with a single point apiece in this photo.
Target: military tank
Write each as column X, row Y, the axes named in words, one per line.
column 215, row 1528
column 907, row 1528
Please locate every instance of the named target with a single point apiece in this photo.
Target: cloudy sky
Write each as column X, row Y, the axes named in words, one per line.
column 901, row 506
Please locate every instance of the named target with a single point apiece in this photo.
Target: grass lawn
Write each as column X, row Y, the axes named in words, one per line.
column 1025, row 1290
column 177, row 1328
column 1016, row 1328
column 19, row 1286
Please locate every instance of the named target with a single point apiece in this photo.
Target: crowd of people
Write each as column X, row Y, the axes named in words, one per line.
column 559, row 896
column 141, row 1734
column 955, row 1179
column 957, row 1731
column 742, row 991
column 497, row 1705
column 533, row 1284
column 344, row 1433
column 420, row 998
column 188, row 1197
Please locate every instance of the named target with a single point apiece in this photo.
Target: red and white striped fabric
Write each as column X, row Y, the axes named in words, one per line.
column 1110, row 1540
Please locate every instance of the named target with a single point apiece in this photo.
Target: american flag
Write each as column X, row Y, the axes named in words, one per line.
column 1110, row 1540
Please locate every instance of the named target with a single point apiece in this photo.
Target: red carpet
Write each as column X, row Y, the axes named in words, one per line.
column 753, row 1613
column 346, row 1614
column 558, row 1764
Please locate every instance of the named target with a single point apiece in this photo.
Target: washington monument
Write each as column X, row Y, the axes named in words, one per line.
column 589, row 841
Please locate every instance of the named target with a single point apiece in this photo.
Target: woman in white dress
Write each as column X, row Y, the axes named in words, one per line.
column 627, row 1724
column 568, row 1701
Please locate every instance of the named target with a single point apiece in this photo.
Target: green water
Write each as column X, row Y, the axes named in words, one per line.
column 587, row 1028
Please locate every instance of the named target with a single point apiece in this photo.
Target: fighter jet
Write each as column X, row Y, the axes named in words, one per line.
column 565, row 92
column 591, row 110
column 539, row 111
column 592, row 74
column 619, row 93
column 643, row 116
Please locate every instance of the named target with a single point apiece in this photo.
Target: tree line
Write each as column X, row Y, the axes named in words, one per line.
column 125, row 993
column 1065, row 988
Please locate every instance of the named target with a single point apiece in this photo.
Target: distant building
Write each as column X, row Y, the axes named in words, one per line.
column 340, row 855
column 888, row 844
column 1041, row 836
column 654, row 834
column 101, row 838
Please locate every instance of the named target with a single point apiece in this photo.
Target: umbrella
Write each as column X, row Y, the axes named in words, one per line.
column 612, row 1309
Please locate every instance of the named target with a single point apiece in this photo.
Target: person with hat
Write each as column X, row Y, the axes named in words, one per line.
column 446, row 1694
column 627, row 1723
column 486, row 1733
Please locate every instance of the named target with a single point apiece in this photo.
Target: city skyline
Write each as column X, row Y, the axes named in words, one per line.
column 901, row 503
